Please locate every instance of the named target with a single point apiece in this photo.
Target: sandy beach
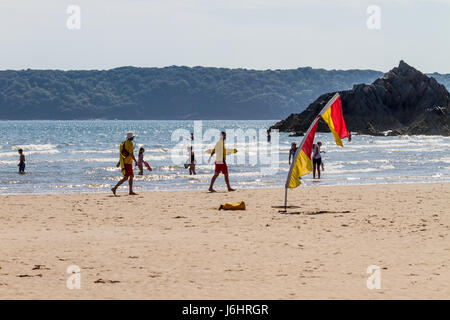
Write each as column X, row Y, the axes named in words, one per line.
column 177, row 245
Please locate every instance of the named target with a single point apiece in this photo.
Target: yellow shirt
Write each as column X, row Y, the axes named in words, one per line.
column 130, row 148
column 221, row 152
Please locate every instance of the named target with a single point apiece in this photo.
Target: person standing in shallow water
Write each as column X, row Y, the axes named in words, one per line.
column 292, row 151
column 21, row 164
column 317, row 159
column 140, row 162
column 192, row 164
column 126, row 155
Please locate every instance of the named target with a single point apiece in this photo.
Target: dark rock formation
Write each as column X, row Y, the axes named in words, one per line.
column 403, row 101
column 371, row 131
column 435, row 121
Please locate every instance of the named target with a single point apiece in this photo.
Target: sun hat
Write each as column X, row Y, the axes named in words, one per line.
column 130, row 135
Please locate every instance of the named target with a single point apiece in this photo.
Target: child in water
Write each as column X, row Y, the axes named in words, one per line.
column 140, row 162
column 21, row 164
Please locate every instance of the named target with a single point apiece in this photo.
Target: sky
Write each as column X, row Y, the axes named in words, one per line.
column 251, row 34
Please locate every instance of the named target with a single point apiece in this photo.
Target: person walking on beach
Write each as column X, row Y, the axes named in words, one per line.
column 220, row 165
column 317, row 159
column 21, row 164
column 268, row 135
column 126, row 163
column 292, row 151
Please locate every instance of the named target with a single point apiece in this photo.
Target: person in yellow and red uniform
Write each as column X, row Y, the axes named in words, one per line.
column 220, row 165
column 126, row 163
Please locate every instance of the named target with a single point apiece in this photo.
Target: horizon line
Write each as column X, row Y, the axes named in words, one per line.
column 207, row 67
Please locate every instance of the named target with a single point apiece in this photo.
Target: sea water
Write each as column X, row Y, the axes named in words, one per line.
column 81, row 156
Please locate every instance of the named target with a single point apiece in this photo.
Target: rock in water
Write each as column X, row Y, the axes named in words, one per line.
column 403, row 101
column 371, row 131
column 435, row 121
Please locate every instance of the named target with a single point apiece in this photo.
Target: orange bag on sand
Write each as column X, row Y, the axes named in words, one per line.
column 233, row 206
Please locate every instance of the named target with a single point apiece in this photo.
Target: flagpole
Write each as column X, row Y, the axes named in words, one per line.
column 285, row 199
column 300, row 148
column 295, row 160
column 331, row 101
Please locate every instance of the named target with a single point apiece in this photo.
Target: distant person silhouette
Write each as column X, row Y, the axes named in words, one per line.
column 292, row 151
column 140, row 162
column 21, row 164
column 317, row 159
column 192, row 162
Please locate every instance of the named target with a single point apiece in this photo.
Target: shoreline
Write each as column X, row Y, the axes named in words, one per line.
column 220, row 188
column 177, row 245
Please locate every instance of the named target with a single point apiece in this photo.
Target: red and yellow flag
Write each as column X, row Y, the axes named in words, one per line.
column 335, row 119
column 302, row 164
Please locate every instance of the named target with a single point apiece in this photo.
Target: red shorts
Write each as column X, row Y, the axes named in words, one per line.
column 221, row 168
column 129, row 170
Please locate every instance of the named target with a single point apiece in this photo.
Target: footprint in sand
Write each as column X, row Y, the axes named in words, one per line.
column 106, row 281
column 40, row 267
